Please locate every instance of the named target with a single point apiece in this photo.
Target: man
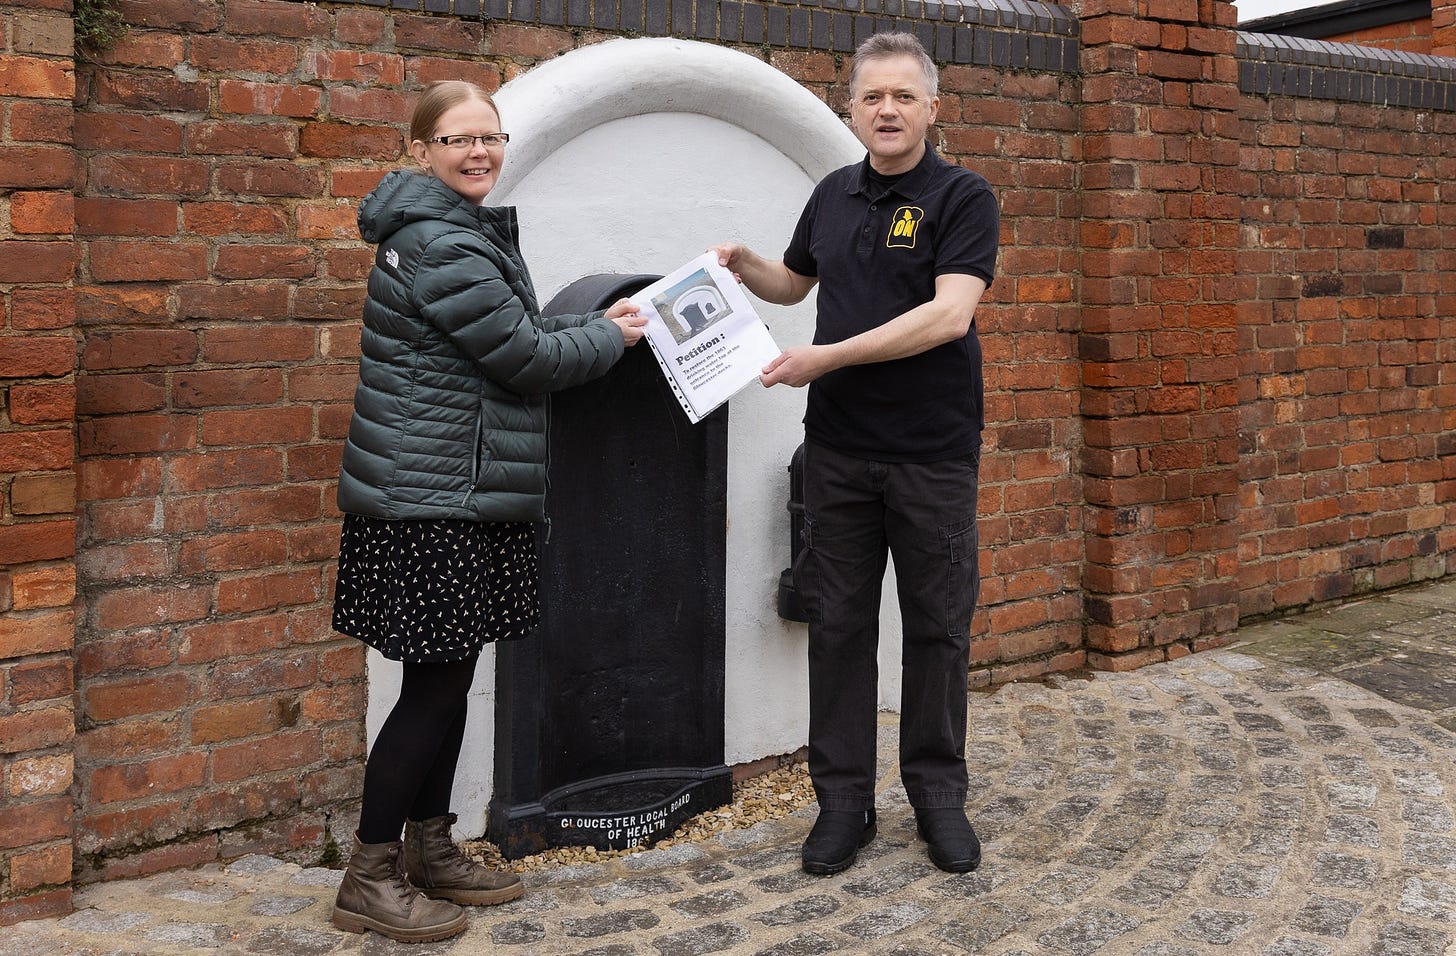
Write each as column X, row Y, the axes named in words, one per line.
column 902, row 245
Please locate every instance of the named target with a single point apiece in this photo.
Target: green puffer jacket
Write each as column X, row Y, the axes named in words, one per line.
column 450, row 414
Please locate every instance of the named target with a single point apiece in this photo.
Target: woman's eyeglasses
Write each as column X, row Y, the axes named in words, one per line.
column 465, row 141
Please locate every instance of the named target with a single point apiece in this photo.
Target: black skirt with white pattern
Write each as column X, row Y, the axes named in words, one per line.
column 435, row 590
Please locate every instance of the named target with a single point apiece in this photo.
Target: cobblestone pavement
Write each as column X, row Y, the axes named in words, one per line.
column 1292, row 795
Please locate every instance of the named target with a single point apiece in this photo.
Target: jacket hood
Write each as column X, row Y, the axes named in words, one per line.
column 404, row 196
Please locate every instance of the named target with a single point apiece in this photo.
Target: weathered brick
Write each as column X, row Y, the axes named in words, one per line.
column 43, row 495
column 327, row 222
column 118, row 261
column 47, row 866
column 37, row 167
column 265, row 261
column 368, row 105
column 114, row 700
column 191, row 16
column 136, row 434
column 262, row 426
column 53, row 904
column 125, row 478
column 214, row 469
column 42, row 213
column 31, row 823
column 276, row 18
column 150, row 48
column 227, row 55
column 236, row 551
column 217, row 640
column 233, row 301
column 43, row 586
column 168, row 856
column 247, row 98
column 37, row 356
column 138, row 348
column 351, row 66
column 359, row 27
column 239, row 719
column 149, row 778
column 38, row 729
column 36, row 78
column 238, row 345
column 128, row 132
column 428, row 69
column 33, row 260
column 131, row 303
column 236, row 386
column 42, row 122
column 37, row 540
column 42, row 404
column 270, row 178
column 163, row 176
column 126, row 217
column 241, row 139
column 44, row 34
column 278, row 752
column 151, row 92
column 232, row 218
column 328, row 302
column 456, row 35
column 350, row 141
column 118, row 392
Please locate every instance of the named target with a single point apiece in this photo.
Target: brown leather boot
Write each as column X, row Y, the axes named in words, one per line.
column 375, row 894
column 436, row 865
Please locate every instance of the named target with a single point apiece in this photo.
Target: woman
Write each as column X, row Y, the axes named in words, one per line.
column 444, row 473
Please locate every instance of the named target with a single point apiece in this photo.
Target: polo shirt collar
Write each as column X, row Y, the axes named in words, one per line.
column 909, row 185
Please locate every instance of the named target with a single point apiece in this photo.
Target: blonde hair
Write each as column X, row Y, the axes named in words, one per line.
column 438, row 99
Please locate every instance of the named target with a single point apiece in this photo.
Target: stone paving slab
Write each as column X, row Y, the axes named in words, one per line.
column 1232, row 802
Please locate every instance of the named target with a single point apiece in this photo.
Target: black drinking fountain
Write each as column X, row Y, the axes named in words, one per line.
column 609, row 722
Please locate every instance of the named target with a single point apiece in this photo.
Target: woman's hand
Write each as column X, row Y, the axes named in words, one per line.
column 632, row 325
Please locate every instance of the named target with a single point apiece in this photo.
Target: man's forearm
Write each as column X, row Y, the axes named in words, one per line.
column 769, row 279
column 943, row 319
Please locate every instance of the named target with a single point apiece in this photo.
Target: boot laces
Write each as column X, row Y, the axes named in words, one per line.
column 399, row 881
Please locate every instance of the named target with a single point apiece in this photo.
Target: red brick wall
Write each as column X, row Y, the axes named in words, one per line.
column 37, row 460
column 1218, row 369
column 1443, row 27
column 218, row 295
column 1016, row 129
column 1158, row 327
column 1411, row 36
column 1348, row 350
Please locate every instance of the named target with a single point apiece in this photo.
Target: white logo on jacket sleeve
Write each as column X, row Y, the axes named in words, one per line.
column 391, row 257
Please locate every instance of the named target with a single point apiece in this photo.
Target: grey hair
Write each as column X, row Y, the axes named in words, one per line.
column 882, row 46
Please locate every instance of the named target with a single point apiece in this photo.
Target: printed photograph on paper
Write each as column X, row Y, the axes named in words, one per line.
column 692, row 306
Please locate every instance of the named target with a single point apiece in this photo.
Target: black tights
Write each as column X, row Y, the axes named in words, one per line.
column 411, row 768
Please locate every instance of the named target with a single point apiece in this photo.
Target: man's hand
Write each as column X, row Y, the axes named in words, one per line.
column 798, row 366
column 728, row 255
column 770, row 280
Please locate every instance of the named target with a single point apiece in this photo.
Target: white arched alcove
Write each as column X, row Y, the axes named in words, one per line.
column 633, row 156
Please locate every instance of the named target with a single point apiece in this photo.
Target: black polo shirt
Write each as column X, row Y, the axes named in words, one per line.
column 876, row 250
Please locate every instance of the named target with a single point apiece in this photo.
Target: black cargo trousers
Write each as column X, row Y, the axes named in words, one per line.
column 923, row 515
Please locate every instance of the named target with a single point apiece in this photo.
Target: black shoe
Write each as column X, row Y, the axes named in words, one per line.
column 835, row 840
column 951, row 841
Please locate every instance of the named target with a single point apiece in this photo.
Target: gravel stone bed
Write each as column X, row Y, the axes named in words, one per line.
column 769, row 796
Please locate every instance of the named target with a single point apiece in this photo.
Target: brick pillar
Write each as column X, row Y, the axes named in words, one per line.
column 1158, row 344
column 37, row 461
column 1443, row 27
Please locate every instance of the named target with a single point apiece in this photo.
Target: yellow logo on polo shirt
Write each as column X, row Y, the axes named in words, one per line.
column 903, row 226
